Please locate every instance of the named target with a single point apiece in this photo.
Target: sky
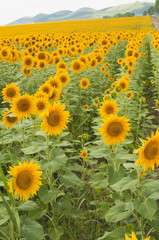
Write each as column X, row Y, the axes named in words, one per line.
column 11, row 10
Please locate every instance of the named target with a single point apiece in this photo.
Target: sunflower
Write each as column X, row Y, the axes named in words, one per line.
column 134, row 237
column 108, row 91
column 123, row 83
column 10, row 92
column 102, row 69
column 93, row 63
column 55, row 82
column 26, row 72
column 149, row 152
column 130, row 94
column 41, row 104
column 76, row 66
column 25, row 179
column 84, row 154
column 108, row 107
column 47, row 88
column 64, row 78
column 55, row 94
column 84, row 83
column 41, row 56
column 41, row 94
column 28, row 61
column 9, row 119
column 55, row 119
column 23, row 106
column 62, row 65
column 86, row 107
column 114, row 129
column 41, row 64
column 5, row 53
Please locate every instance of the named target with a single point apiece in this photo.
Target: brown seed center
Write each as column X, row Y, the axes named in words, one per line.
column 24, row 180
column 23, row 105
column 11, row 92
column 115, row 129
column 53, row 118
column 151, row 150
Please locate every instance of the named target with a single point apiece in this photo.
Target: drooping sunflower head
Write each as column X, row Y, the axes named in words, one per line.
column 9, row 119
column 114, row 129
column 25, row 179
column 108, row 107
column 149, row 152
column 10, row 92
column 55, row 119
column 84, row 83
column 23, row 106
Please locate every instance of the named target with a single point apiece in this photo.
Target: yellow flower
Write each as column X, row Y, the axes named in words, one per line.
column 108, row 107
column 41, row 104
column 10, row 92
column 28, row 61
column 23, row 106
column 86, row 107
column 25, row 179
column 130, row 94
column 84, row 83
column 9, row 119
column 55, row 119
column 149, row 152
column 76, row 66
column 84, row 154
column 114, row 129
column 134, row 237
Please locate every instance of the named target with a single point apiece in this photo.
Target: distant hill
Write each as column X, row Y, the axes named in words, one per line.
column 86, row 13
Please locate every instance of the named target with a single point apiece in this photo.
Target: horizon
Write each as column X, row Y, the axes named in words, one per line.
column 17, row 9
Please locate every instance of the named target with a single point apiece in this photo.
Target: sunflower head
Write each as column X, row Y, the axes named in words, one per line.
column 28, row 61
column 114, row 129
column 84, row 154
column 25, row 179
column 149, row 152
column 9, row 119
column 76, row 66
column 84, row 83
column 55, row 119
column 10, row 92
column 108, row 107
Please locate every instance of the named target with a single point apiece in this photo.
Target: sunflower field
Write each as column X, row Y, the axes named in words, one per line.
column 79, row 117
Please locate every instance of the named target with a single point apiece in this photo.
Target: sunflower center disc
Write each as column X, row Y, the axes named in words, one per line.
column 45, row 89
column 11, row 119
column 53, row 119
column 109, row 110
column 151, row 150
column 63, row 79
column 40, row 106
column 114, row 129
column 28, row 62
column 76, row 66
column 11, row 92
column 24, row 180
column 23, row 105
column 84, row 83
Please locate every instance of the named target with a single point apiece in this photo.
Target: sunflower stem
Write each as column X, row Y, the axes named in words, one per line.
column 23, row 135
column 47, row 150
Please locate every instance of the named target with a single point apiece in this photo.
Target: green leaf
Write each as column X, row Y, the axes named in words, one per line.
column 57, row 159
column 35, row 148
column 99, row 180
column 116, row 234
column 69, row 179
column 124, row 184
column 98, row 152
column 115, row 176
column 49, row 195
column 55, row 234
column 31, row 229
column 119, row 212
column 147, row 209
column 27, row 206
column 155, row 222
column 3, row 215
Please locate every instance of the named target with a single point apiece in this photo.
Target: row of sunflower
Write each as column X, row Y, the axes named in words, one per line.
column 74, row 179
